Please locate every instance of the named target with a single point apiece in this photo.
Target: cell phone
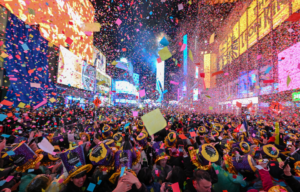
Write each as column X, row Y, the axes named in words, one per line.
column 289, row 144
column 181, row 148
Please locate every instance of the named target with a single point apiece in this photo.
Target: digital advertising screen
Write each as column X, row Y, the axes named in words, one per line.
column 288, row 66
column 185, row 41
column 106, row 86
column 126, row 87
column 254, row 24
column 243, row 85
column 136, row 79
column 266, row 73
column 88, row 77
column 99, row 60
column 195, row 94
column 74, row 72
column 253, row 83
column 69, row 69
column 160, row 77
column 59, row 22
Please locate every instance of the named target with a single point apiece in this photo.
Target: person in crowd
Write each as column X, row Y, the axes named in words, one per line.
column 145, row 176
column 201, row 182
column 161, row 168
column 52, row 150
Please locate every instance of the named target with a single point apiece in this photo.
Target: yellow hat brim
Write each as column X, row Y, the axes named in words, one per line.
column 162, row 157
column 86, row 168
column 25, row 167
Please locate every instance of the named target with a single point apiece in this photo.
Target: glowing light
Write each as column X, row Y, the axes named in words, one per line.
column 124, row 60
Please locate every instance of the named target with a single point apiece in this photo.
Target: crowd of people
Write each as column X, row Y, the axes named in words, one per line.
column 107, row 149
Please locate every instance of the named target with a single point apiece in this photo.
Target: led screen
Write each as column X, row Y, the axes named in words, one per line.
column 58, row 20
column 185, row 55
column 253, row 25
column 253, row 83
column 195, row 94
column 99, row 60
column 288, row 66
column 88, row 77
column 266, row 73
column 125, row 87
column 196, row 72
column 160, row 76
column 243, row 85
column 74, row 72
column 103, row 77
column 136, row 78
column 69, row 69
column 105, row 88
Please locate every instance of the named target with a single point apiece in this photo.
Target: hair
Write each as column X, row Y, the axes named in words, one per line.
column 37, row 183
column 200, row 174
column 145, row 176
column 178, row 175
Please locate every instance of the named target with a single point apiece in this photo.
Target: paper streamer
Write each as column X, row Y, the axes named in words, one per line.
column 173, row 82
column 40, row 104
column 277, row 133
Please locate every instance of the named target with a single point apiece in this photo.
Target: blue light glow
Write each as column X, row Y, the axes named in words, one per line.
column 185, row 55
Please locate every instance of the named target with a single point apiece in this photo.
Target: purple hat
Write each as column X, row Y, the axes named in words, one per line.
column 48, row 158
column 56, row 140
column 244, row 164
column 74, row 162
column 106, row 131
column 160, row 152
column 110, row 142
column 244, row 146
column 204, row 156
column 118, row 137
column 101, row 154
column 270, row 151
column 123, row 158
column 24, row 157
column 126, row 156
column 89, row 128
column 171, row 139
column 140, row 125
column 142, row 139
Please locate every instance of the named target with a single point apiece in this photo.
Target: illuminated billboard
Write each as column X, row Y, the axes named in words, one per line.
column 106, row 82
column 69, row 69
column 252, row 27
column 207, row 70
column 160, row 77
column 88, row 77
column 197, row 72
column 185, row 55
column 74, row 72
column 195, row 94
column 126, row 87
column 136, row 79
column 243, row 85
column 99, row 60
column 104, row 89
column 59, row 22
column 288, row 67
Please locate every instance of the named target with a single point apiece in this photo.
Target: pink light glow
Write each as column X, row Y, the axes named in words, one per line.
column 288, row 61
